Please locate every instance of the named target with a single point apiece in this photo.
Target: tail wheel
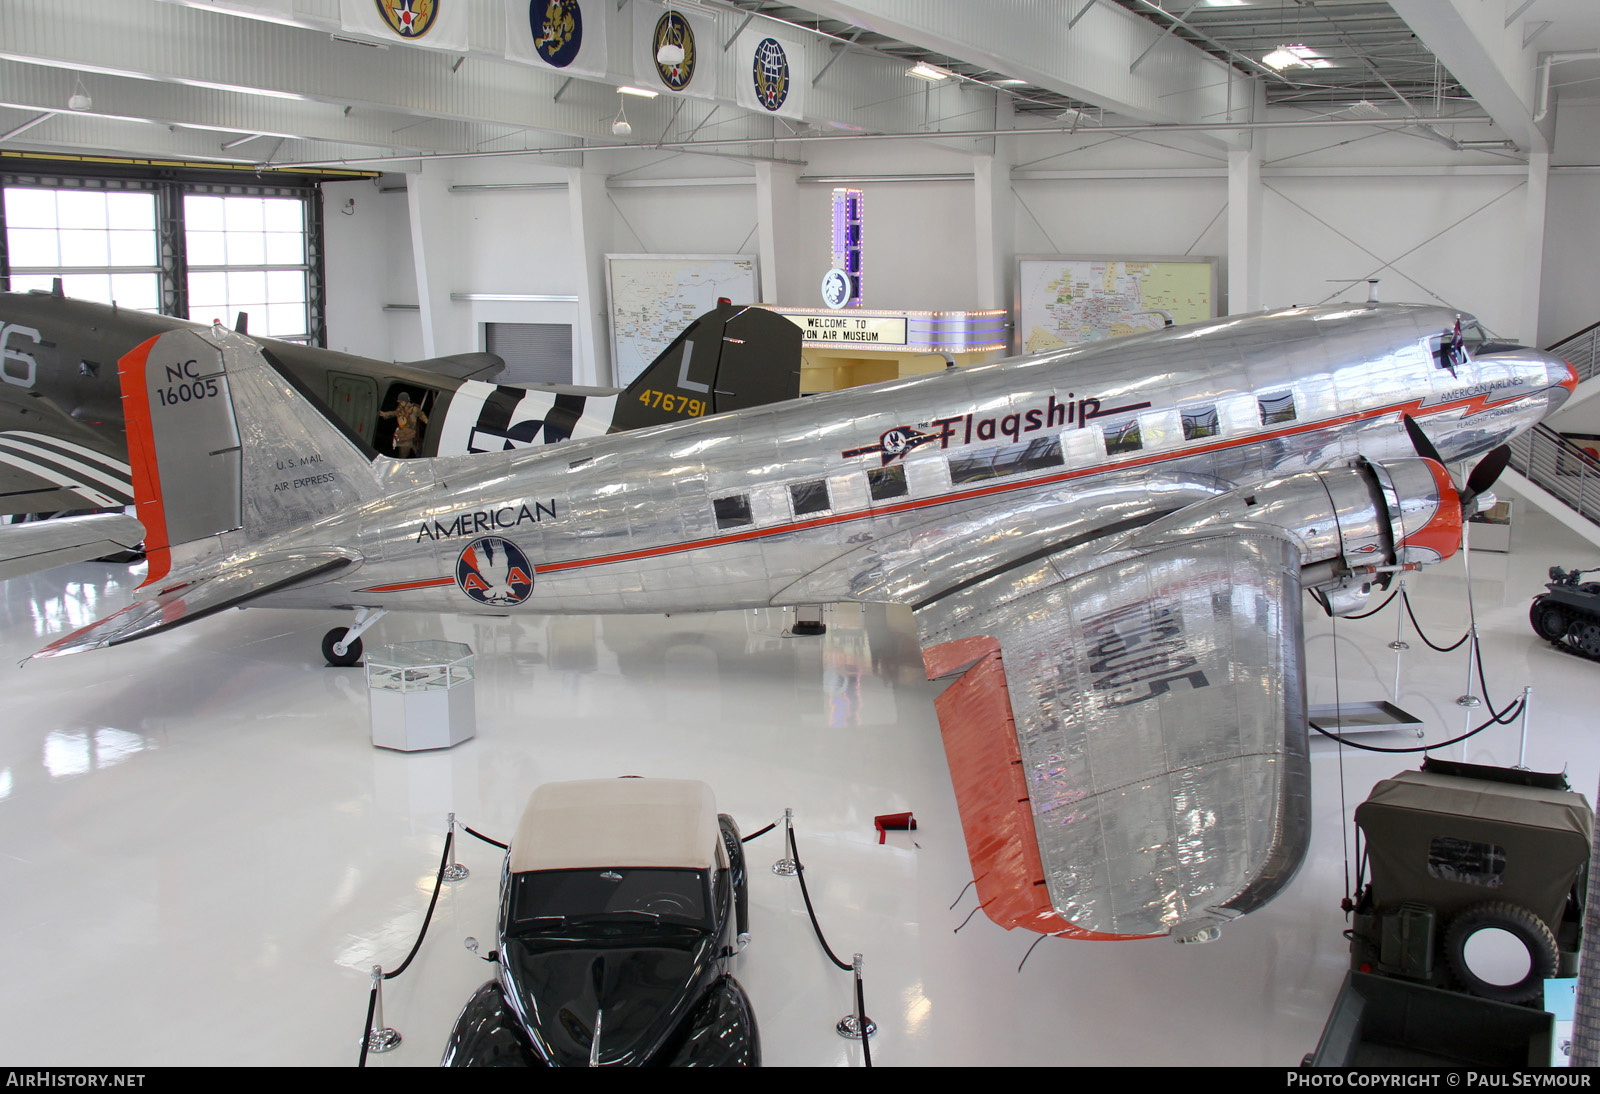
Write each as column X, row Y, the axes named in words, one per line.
column 1500, row 951
column 350, row 656
column 1549, row 622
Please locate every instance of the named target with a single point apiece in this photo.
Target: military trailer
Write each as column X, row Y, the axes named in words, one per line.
column 1478, row 879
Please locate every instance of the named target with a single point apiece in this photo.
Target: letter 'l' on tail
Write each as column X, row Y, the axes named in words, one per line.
column 228, row 450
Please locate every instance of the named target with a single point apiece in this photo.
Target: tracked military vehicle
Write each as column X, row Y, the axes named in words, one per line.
column 1569, row 614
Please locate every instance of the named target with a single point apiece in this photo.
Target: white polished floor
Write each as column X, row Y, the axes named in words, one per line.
column 202, row 855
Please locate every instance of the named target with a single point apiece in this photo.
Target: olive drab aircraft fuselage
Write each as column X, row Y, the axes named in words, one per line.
column 1104, row 549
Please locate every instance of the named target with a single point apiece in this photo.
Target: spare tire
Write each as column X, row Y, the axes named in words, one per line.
column 1519, row 923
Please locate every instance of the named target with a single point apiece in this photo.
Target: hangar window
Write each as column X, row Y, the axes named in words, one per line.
column 1123, row 438
column 100, row 243
column 248, row 253
column 810, row 497
column 887, row 482
column 1466, row 861
column 1277, row 408
column 733, row 511
column 1200, row 422
column 995, row 463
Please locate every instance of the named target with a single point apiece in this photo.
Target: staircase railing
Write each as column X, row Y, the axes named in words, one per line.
column 1581, row 351
column 1560, row 468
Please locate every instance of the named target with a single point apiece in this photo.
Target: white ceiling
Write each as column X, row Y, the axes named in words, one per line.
column 180, row 79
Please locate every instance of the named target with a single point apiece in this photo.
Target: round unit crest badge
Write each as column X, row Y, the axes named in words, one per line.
column 836, row 288
column 673, row 29
column 557, row 27
column 494, row 571
column 770, row 73
column 408, row 18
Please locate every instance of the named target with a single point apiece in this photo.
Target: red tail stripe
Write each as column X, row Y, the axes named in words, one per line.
column 142, row 459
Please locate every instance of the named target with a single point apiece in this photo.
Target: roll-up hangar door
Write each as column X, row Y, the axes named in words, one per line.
column 534, row 353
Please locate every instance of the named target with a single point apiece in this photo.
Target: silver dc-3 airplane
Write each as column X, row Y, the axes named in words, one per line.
column 1103, row 548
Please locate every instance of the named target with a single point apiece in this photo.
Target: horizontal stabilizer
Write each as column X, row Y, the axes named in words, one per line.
column 210, row 590
column 463, row 366
column 41, row 544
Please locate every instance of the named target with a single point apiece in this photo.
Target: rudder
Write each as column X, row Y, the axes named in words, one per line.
column 224, row 448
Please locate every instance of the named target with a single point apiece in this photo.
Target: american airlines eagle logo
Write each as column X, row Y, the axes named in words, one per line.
column 494, row 571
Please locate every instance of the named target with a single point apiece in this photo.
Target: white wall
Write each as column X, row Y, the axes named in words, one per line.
column 1433, row 224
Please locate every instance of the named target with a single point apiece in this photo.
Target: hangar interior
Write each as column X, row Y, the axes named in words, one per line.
column 201, row 842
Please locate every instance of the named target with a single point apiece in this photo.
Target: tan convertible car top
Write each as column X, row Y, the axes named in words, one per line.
column 617, row 822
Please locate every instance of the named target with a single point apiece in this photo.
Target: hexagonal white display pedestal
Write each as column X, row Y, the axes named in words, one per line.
column 422, row 695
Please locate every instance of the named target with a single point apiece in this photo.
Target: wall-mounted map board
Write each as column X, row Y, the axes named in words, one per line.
column 652, row 298
column 1066, row 300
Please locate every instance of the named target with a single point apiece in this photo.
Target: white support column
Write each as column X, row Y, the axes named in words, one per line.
column 1533, row 247
column 994, row 212
column 592, row 234
column 428, row 203
column 778, row 232
column 1244, row 231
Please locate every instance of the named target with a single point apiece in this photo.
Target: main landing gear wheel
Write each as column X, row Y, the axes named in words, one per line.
column 1487, row 947
column 350, row 656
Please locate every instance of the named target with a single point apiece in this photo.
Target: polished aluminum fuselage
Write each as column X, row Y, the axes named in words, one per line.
column 627, row 523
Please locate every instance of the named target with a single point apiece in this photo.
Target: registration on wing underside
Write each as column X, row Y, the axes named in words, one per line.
column 1160, row 721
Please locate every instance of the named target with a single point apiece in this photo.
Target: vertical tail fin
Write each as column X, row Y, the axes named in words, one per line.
column 730, row 358
column 223, row 444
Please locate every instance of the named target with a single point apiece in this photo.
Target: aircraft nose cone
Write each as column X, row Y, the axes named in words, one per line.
column 1562, row 375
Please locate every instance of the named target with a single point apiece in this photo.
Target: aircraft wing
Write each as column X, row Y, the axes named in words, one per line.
column 41, row 544
column 1127, row 732
column 183, row 599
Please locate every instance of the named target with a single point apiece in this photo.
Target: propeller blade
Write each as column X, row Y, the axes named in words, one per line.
column 1419, row 441
column 1487, row 471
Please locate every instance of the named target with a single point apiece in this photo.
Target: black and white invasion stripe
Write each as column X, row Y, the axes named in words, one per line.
column 100, row 480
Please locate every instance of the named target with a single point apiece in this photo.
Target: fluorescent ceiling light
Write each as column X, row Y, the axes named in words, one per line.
column 643, row 93
column 1295, row 57
column 1010, row 81
column 922, row 70
column 1225, row 3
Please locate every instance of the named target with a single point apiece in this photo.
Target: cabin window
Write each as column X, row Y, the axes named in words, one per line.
column 732, row 511
column 1277, row 408
column 887, row 482
column 994, row 463
column 809, row 497
column 1200, row 422
column 1123, row 438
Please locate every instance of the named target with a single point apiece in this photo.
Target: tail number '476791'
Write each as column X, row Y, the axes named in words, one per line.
column 185, row 385
column 674, row 404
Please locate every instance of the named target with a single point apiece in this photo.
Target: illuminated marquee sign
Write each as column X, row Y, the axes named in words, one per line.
column 877, row 330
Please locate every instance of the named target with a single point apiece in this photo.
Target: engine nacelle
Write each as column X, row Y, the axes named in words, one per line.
column 1355, row 526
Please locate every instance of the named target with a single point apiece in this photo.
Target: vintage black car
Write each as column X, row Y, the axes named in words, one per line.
column 620, row 901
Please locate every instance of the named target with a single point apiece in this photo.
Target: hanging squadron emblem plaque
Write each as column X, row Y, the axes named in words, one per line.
column 557, row 27
column 408, row 18
column 673, row 29
column 769, row 72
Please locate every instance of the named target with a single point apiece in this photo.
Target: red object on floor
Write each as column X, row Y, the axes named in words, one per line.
column 893, row 822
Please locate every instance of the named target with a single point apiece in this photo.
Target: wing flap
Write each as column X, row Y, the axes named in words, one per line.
column 1159, row 713
column 180, row 600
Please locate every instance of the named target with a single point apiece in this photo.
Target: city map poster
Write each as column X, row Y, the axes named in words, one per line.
column 654, row 297
column 1067, row 301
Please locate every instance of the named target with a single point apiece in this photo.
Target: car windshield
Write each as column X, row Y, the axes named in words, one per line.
column 541, row 899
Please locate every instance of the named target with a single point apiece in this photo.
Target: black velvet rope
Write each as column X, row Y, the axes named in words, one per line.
column 861, row 1023
column 438, row 882
column 760, row 832
column 484, row 838
column 1378, row 609
column 800, row 872
column 366, row 1030
column 1406, row 600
